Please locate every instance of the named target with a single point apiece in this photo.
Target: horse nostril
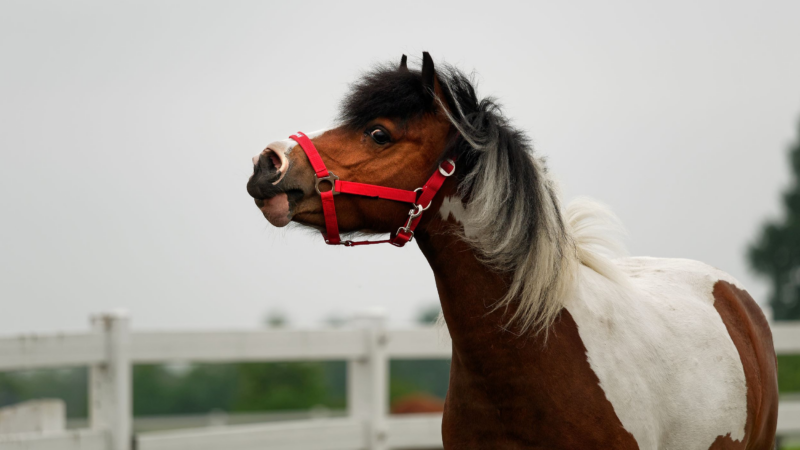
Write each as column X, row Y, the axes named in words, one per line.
column 266, row 175
column 267, row 167
column 269, row 161
column 275, row 160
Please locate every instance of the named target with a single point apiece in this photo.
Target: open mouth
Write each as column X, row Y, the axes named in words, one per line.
column 278, row 208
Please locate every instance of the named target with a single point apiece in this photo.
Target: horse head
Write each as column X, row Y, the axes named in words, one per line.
column 393, row 133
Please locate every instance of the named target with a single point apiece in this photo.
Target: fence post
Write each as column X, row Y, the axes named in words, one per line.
column 110, row 388
column 368, row 380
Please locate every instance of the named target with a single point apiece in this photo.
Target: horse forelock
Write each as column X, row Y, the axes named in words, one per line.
column 385, row 91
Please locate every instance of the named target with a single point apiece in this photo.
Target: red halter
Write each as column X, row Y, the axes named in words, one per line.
column 405, row 233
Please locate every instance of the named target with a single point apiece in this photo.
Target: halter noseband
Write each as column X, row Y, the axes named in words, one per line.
column 405, row 233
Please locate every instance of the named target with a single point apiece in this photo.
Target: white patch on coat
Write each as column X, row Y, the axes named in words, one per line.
column 662, row 353
column 453, row 206
column 282, row 149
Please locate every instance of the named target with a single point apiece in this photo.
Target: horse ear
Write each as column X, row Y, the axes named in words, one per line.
column 428, row 72
column 403, row 64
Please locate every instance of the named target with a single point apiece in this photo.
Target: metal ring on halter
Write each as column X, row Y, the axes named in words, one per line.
column 331, row 178
column 418, row 209
column 452, row 163
column 429, row 203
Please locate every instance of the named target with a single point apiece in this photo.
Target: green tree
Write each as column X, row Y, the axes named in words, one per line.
column 276, row 319
column 286, row 386
column 415, row 376
column 159, row 389
column 269, row 386
column 429, row 315
column 70, row 385
column 776, row 252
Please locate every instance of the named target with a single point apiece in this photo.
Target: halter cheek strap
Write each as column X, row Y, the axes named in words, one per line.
column 420, row 198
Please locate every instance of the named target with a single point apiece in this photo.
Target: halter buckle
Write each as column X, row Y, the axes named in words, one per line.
column 331, row 178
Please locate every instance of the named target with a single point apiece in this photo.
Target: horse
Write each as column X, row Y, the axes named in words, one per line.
column 559, row 340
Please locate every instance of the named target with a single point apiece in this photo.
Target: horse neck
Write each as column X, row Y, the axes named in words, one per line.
column 467, row 290
column 505, row 388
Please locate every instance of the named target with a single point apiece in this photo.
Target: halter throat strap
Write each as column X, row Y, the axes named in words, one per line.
column 421, row 198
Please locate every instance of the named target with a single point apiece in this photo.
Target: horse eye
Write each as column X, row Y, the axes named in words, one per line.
column 380, row 136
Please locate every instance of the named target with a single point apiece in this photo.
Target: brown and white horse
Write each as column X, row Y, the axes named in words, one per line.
column 557, row 341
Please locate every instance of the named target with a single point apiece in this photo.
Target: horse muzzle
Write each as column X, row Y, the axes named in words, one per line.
column 267, row 186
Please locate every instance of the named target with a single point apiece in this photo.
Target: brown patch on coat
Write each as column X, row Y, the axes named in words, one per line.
column 540, row 395
column 752, row 337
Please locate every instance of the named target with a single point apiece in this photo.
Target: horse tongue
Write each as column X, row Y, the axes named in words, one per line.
column 276, row 210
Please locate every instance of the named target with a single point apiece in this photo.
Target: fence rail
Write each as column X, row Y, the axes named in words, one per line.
column 786, row 337
column 36, row 352
column 60, row 350
column 65, row 440
column 110, row 350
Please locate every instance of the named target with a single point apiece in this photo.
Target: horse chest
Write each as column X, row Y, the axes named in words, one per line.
column 531, row 395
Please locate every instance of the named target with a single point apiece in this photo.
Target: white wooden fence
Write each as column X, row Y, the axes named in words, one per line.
column 110, row 350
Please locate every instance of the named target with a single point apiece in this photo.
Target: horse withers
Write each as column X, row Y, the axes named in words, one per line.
column 558, row 342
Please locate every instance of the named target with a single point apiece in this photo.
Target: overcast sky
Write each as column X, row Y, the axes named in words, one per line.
column 126, row 132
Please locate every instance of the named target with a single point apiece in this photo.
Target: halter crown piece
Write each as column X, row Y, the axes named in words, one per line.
column 418, row 197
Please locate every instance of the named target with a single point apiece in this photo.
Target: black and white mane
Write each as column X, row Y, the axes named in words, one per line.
column 509, row 205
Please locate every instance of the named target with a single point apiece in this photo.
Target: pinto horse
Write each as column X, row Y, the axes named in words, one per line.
column 558, row 342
